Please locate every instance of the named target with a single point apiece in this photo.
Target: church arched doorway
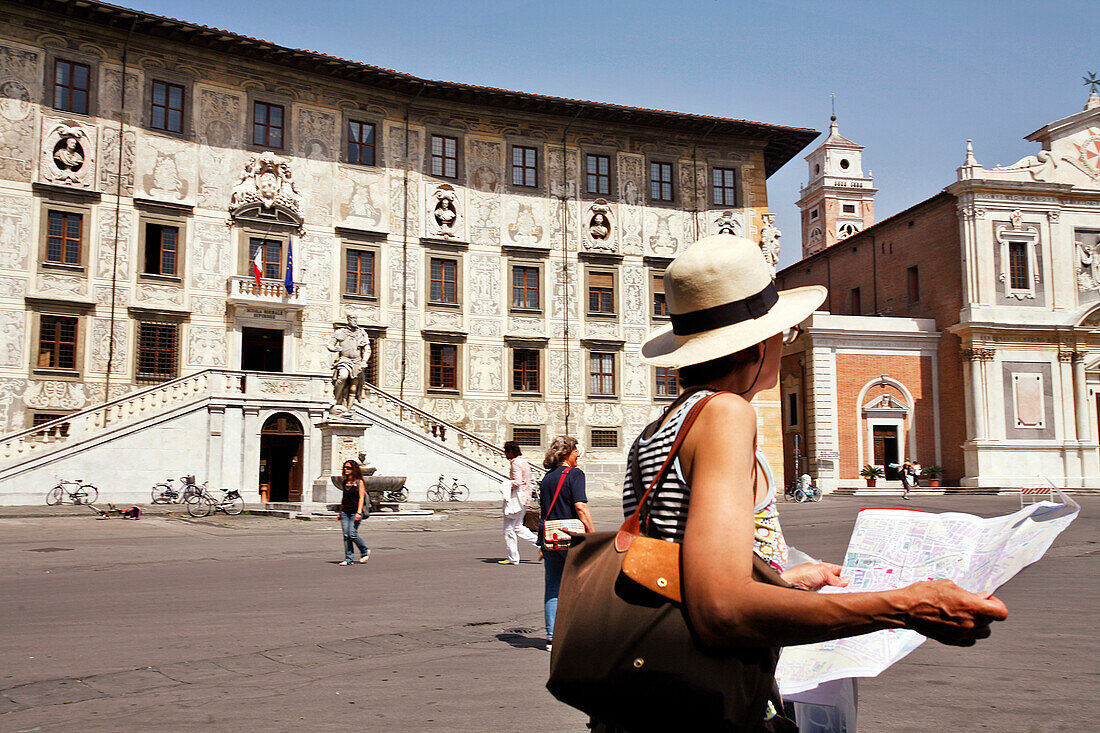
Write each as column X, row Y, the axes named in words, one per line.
column 281, row 442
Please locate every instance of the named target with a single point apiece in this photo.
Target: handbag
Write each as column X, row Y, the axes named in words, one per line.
column 531, row 520
column 624, row 648
column 557, row 534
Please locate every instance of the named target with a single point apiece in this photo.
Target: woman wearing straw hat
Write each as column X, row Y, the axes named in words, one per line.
column 728, row 328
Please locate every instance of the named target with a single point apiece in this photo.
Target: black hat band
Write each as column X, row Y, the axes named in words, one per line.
column 726, row 314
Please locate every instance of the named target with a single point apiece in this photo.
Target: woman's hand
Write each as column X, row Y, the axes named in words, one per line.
column 943, row 611
column 358, row 516
column 815, row 575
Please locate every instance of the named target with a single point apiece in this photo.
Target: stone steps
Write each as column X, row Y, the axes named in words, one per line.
column 308, row 510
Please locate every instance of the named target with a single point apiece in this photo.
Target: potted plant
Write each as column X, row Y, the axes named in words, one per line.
column 933, row 473
column 871, row 473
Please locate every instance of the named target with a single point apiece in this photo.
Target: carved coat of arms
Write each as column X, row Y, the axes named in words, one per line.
column 266, row 180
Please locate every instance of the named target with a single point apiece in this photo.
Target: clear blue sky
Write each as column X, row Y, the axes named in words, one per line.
column 913, row 80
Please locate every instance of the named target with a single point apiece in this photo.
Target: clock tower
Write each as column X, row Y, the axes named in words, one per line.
column 838, row 200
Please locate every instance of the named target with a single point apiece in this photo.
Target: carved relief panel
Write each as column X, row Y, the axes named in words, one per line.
column 485, row 219
column 20, row 83
column 68, row 154
column 102, row 338
column 206, row 346
column 219, row 128
column 167, row 169
column 11, row 338
column 485, row 284
column 525, row 221
column 210, row 256
column 444, row 212
column 362, row 199
column 105, row 257
column 600, row 227
column 397, row 205
column 15, row 231
column 485, row 163
column 486, row 368
column 665, row 233
column 109, row 156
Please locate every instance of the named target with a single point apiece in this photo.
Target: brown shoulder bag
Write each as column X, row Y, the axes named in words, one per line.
column 624, row 648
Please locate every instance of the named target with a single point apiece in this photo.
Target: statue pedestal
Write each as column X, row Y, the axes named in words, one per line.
column 341, row 440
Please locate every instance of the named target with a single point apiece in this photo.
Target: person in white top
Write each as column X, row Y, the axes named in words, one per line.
column 517, row 496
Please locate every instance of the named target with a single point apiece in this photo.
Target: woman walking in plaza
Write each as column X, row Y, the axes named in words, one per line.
column 351, row 512
column 561, row 497
column 518, row 490
column 728, row 328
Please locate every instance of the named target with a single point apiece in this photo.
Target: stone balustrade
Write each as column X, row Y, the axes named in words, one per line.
column 269, row 291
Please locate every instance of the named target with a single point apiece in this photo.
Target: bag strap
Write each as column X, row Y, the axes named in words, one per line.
column 631, row 526
column 561, row 482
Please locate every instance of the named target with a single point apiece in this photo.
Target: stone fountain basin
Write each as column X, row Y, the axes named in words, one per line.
column 376, row 486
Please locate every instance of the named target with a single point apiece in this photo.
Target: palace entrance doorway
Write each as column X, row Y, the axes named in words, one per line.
column 281, row 457
column 261, row 350
column 886, row 450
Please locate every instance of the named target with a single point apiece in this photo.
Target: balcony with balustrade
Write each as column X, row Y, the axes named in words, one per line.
column 269, row 292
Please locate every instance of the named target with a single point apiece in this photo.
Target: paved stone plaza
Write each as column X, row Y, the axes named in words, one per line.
column 247, row 624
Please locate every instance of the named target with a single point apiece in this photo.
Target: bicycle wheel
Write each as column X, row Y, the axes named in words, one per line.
column 434, row 494
column 189, row 494
column 402, row 493
column 54, row 496
column 200, row 506
column 232, row 506
column 461, row 492
column 816, row 496
column 88, row 495
column 159, row 492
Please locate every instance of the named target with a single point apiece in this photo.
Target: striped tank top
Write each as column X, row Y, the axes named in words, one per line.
column 668, row 503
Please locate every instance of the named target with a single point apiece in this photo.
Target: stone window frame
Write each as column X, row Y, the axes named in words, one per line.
column 792, row 421
column 616, row 292
column 363, row 118
column 657, row 396
column 170, row 77
column 92, row 62
column 1030, row 241
column 443, row 339
column 539, row 347
column 278, row 100
column 511, row 142
column 616, row 432
column 348, row 244
column 855, row 297
column 738, row 189
column 48, row 415
column 616, row 377
column 148, row 216
column 612, row 154
column 540, row 265
column 68, row 207
column 247, row 234
column 157, row 320
column 655, row 274
column 459, row 136
column 442, row 253
column 672, row 160
column 40, row 307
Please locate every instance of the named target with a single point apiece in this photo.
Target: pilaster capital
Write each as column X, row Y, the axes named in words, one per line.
column 978, row 353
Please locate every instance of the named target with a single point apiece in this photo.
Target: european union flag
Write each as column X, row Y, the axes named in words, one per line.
column 289, row 266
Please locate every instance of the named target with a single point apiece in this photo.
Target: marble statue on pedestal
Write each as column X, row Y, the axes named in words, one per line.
column 349, row 372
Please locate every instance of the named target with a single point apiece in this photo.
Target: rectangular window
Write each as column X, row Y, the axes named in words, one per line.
column 667, row 384
column 660, row 305
column 359, row 272
column 601, row 292
column 372, row 362
column 272, row 257
column 444, row 281
column 157, row 350
column 57, row 342
column 525, row 370
column 71, row 82
column 444, row 156
column 525, row 287
column 601, row 374
column 855, row 305
column 604, row 438
column 443, row 366
column 849, row 208
column 724, row 186
column 161, row 247
column 63, row 237
column 1017, row 266
column 912, row 281
column 660, row 181
column 792, row 408
column 599, row 174
column 527, row 436
column 361, row 143
column 167, row 107
column 525, row 171
column 813, row 214
column 41, row 418
column 267, row 125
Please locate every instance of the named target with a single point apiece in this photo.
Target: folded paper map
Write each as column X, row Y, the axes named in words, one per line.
column 892, row 548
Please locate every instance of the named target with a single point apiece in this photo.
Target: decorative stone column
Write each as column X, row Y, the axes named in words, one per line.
column 1069, row 402
column 1080, row 397
column 341, row 440
column 977, row 388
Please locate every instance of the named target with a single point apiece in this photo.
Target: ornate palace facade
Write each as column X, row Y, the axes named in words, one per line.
column 503, row 250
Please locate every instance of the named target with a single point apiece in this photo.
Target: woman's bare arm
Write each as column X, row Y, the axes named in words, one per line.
column 728, row 607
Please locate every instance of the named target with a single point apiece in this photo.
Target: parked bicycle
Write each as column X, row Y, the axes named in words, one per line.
column 78, row 492
column 396, row 495
column 205, row 503
column 797, row 493
column 440, row 491
column 166, row 492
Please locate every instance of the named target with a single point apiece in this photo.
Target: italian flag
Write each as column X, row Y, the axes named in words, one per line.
column 258, row 265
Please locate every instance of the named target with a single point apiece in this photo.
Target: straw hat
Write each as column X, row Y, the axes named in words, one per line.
column 721, row 299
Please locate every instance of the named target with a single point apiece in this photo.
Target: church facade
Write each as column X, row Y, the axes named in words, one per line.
column 961, row 333
column 177, row 199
